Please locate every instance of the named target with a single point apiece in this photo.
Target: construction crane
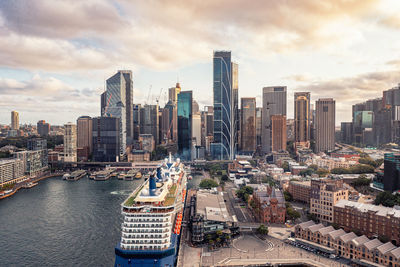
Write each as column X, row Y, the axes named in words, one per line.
column 159, row 96
column 148, row 95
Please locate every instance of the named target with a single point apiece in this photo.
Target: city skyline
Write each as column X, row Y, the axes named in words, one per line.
column 44, row 69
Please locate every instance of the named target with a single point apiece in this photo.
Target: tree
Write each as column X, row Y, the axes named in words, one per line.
column 291, row 213
column 262, row 229
column 285, row 166
column 314, row 167
column 288, row 196
column 362, row 180
column 159, row 153
column 322, row 172
column 387, row 199
column 244, row 193
column 208, row 184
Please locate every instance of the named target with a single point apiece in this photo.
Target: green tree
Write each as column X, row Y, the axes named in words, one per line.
column 285, row 166
column 322, row 172
column 262, row 229
column 244, row 193
column 288, row 196
column 314, row 167
column 208, row 184
column 387, row 199
column 291, row 213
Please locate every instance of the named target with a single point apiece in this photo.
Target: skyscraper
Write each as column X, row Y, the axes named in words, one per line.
column 185, row 124
column 149, row 121
column 173, row 93
column 70, row 143
column 43, row 128
column 105, row 134
column 136, row 121
column 84, row 135
column 258, row 126
column 235, row 107
column 274, row 103
column 129, row 104
column 196, row 128
column 248, row 124
column 278, row 132
column 224, row 114
column 14, row 120
column 302, row 119
column 325, row 124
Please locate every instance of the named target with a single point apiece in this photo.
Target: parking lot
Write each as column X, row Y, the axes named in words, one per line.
column 310, row 249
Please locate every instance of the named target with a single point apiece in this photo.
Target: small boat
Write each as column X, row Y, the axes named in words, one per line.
column 121, row 176
column 66, row 176
column 138, row 175
column 30, row 185
column 129, row 175
column 92, row 176
column 76, row 175
column 190, row 177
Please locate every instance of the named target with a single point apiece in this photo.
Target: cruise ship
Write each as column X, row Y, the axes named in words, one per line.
column 152, row 219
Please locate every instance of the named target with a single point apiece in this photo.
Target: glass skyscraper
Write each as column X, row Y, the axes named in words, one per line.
column 185, row 124
column 225, row 106
column 105, row 133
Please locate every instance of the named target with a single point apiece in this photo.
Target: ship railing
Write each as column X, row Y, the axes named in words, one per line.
column 146, row 237
column 144, row 225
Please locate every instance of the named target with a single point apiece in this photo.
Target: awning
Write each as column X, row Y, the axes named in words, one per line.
column 316, row 246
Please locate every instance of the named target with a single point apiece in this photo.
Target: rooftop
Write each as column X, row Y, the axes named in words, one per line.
column 379, row 210
column 212, row 207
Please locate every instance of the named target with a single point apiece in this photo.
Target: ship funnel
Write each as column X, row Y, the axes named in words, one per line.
column 170, row 158
column 152, row 185
column 159, row 173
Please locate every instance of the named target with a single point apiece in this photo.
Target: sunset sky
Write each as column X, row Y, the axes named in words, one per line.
column 55, row 55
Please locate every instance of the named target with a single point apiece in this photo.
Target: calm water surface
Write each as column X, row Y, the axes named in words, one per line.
column 64, row 223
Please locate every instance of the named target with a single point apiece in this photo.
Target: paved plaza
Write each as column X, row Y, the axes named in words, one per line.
column 249, row 248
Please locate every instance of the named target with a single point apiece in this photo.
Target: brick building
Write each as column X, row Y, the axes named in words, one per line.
column 370, row 220
column 300, row 190
column 269, row 204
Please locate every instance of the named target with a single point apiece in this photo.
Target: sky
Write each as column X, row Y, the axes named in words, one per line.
column 55, row 55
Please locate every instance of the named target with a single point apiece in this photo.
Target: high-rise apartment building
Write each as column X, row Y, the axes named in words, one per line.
column 225, row 130
column 278, row 132
column 248, row 121
column 325, row 193
column 14, row 120
column 274, row 103
column 185, row 100
column 325, row 124
column 43, row 128
column 258, row 127
column 302, row 119
column 105, row 137
column 70, row 153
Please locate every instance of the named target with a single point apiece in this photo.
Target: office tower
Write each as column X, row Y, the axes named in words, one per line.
column 302, row 119
column 274, row 103
column 346, row 132
column 171, row 112
column 325, row 124
column 147, row 142
column 258, row 126
column 173, row 93
column 84, row 137
column 196, row 128
column 105, row 136
column 278, row 132
column 248, row 121
column 129, row 104
column 43, row 128
column 290, row 129
column 149, row 121
column 14, row 120
column 235, row 107
column 382, row 126
column 185, row 124
column 70, row 143
column 391, row 176
column 224, row 113
column 195, row 107
column 136, row 121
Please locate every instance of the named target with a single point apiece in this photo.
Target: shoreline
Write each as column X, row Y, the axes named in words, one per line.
column 34, row 181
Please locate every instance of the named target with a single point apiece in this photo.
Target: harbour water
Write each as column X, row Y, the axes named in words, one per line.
column 60, row 223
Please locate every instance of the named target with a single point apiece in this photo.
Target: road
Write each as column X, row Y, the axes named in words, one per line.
column 237, row 207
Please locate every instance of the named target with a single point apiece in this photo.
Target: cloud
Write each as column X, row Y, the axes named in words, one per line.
column 71, row 35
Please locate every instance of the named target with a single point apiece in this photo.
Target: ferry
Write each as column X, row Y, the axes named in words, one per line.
column 130, row 175
column 121, row 176
column 102, row 175
column 76, row 175
column 66, row 176
column 138, row 175
column 152, row 222
column 30, row 185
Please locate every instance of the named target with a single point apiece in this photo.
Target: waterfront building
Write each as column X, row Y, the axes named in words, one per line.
column 84, row 136
column 325, row 193
column 39, row 144
column 269, row 204
column 278, row 132
column 106, row 138
column 146, row 142
column 325, row 124
column 11, row 171
column 43, row 128
column 14, row 120
column 360, row 250
column 248, row 124
column 391, row 177
column 185, row 124
column 208, row 214
column 302, row 119
column 300, row 190
column 274, row 103
column 34, row 163
column 224, row 106
column 70, row 153
column 367, row 219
